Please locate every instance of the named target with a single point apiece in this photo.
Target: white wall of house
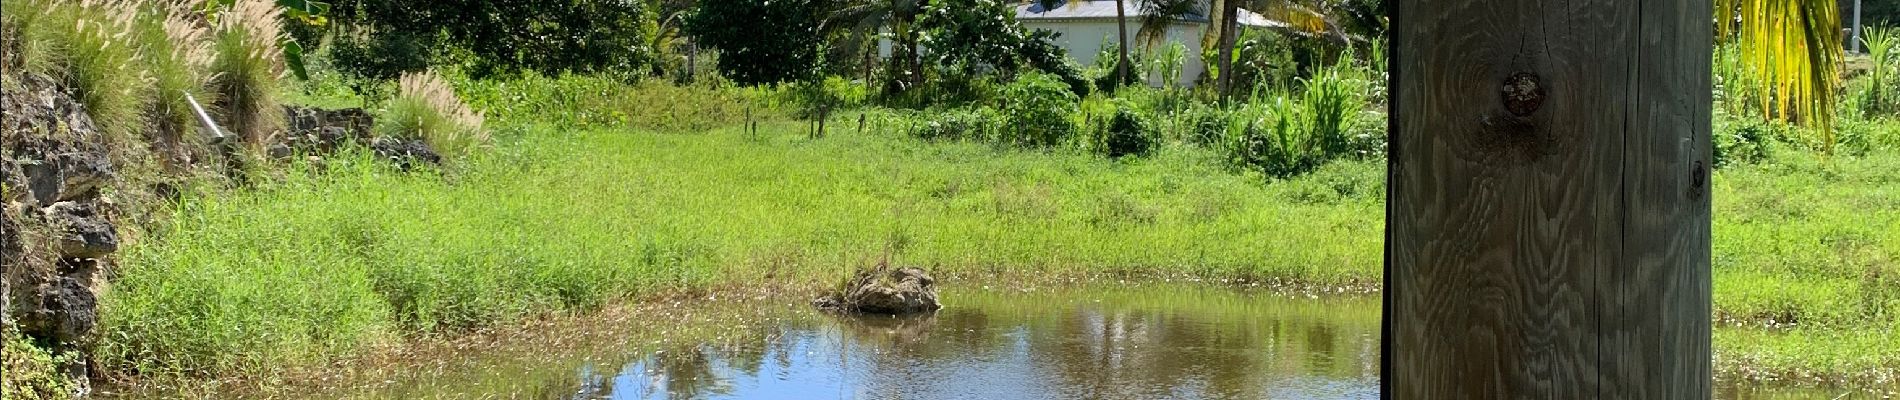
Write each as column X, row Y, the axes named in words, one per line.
column 1083, row 39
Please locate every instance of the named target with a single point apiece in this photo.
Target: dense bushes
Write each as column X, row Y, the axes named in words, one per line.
column 1129, row 132
column 1038, row 109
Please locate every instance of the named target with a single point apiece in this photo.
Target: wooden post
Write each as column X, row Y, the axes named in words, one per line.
column 1547, row 231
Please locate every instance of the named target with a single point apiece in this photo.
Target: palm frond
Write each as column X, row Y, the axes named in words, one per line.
column 1792, row 48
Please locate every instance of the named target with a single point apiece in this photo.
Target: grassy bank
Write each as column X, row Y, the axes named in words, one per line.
column 319, row 264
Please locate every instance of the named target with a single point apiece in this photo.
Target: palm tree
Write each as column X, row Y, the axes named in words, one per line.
column 1300, row 19
column 1121, row 21
column 1795, row 53
column 866, row 18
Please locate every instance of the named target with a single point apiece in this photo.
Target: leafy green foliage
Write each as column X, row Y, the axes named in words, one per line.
column 504, row 37
column 973, row 37
column 960, row 124
column 1129, row 133
column 1037, row 108
column 761, row 41
column 32, row 372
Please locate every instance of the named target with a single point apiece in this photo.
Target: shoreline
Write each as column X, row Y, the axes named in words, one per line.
column 722, row 312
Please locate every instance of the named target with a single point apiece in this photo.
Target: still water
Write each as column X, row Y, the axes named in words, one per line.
column 1177, row 342
column 1149, row 341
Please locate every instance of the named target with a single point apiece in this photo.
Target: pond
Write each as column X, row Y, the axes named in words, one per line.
column 1140, row 341
column 1148, row 343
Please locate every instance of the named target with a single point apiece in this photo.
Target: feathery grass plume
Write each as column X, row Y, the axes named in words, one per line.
column 177, row 45
column 247, row 68
column 426, row 108
column 85, row 46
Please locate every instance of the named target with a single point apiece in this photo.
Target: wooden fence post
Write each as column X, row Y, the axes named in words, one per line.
column 1547, row 224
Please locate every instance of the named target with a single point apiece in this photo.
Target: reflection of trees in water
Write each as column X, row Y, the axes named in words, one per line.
column 1067, row 347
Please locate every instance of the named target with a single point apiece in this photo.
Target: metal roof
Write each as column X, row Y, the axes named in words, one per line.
column 1086, row 9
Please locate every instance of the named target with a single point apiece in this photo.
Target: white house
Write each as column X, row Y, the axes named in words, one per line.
column 1084, row 25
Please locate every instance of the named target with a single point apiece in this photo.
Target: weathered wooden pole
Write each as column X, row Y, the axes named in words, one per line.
column 1547, row 231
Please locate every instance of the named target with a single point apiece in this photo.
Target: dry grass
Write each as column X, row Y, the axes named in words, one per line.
column 177, row 42
column 427, row 108
column 247, row 70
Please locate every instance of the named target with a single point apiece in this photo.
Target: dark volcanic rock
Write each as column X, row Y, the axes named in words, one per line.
column 406, row 153
column 53, row 145
column 885, row 291
column 83, row 233
column 65, row 311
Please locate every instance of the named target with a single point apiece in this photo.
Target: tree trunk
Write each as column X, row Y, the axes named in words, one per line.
column 1230, row 21
column 1121, row 20
column 1548, row 209
column 1854, row 47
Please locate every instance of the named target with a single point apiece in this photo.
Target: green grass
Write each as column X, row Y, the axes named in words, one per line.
column 549, row 221
column 325, row 263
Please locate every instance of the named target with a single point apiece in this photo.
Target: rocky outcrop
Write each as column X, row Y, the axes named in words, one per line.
column 83, row 233
column 55, row 151
column 884, row 290
column 322, row 131
column 56, row 227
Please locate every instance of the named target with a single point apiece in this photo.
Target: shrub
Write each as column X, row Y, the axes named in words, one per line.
column 1741, row 141
column 426, row 108
column 1205, row 125
column 1129, row 133
column 1265, row 138
column 833, row 93
column 1038, row 107
column 247, row 68
column 964, row 124
column 1330, row 107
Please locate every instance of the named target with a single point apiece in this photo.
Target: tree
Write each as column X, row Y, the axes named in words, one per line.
column 761, row 41
column 866, row 18
column 1121, row 23
column 1793, row 47
column 506, row 36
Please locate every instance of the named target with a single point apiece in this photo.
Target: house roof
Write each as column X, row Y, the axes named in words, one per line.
column 1105, row 9
column 1086, row 9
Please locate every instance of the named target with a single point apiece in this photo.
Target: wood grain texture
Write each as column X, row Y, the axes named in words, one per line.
column 1546, row 234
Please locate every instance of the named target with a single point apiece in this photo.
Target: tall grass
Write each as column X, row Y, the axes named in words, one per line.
column 326, row 263
column 176, row 41
column 86, row 45
column 1881, row 93
column 427, row 108
column 247, row 69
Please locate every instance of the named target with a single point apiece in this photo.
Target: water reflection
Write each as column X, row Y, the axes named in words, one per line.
column 1150, row 343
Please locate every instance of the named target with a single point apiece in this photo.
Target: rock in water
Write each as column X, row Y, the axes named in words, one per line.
column 885, row 291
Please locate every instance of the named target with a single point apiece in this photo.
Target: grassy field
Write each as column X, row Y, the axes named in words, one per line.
column 318, row 264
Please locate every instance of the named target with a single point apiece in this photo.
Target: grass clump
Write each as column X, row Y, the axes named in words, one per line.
column 426, row 108
column 247, row 70
column 86, row 45
column 177, row 47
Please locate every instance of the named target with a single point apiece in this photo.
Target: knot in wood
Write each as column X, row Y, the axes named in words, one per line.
column 1523, row 94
